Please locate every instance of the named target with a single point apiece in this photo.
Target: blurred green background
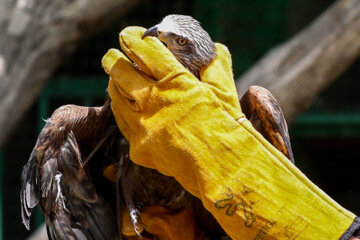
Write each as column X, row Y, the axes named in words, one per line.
column 325, row 138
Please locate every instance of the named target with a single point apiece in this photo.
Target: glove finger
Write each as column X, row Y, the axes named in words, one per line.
column 131, row 83
column 219, row 76
column 148, row 51
column 119, row 108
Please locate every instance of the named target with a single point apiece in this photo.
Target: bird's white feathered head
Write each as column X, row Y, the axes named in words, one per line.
column 186, row 39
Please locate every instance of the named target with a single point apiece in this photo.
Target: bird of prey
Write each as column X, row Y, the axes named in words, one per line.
column 64, row 174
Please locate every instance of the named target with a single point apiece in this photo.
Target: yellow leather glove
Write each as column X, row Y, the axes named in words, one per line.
column 195, row 131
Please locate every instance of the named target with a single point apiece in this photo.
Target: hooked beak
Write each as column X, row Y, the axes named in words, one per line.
column 150, row 32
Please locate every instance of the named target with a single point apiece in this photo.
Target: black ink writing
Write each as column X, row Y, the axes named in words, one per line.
column 231, row 206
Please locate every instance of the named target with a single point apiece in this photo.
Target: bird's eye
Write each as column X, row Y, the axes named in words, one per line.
column 181, row 41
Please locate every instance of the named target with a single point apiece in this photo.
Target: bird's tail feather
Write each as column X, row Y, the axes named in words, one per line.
column 29, row 194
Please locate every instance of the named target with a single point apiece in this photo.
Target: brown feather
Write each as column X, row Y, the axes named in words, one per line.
column 264, row 112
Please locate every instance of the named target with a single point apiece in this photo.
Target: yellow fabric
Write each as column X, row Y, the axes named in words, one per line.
column 192, row 130
column 170, row 225
column 110, row 172
column 163, row 224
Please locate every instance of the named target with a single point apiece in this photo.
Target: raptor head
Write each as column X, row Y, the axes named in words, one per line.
column 186, row 39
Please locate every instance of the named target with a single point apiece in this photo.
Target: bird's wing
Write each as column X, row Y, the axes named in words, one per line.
column 264, row 112
column 91, row 215
column 41, row 183
column 55, row 178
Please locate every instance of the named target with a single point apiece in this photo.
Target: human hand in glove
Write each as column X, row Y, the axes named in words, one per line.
column 195, row 131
